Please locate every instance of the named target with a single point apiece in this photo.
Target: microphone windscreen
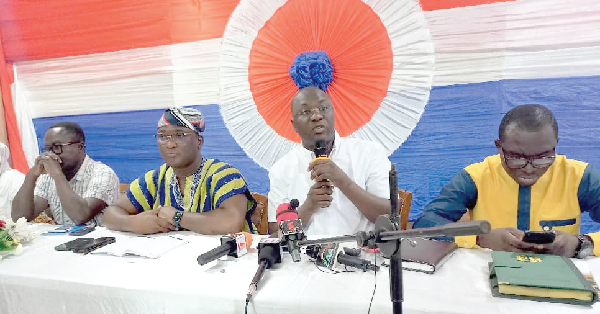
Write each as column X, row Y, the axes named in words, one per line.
column 320, row 149
column 285, row 213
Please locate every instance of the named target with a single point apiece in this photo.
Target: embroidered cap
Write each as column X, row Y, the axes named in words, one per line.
column 186, row 117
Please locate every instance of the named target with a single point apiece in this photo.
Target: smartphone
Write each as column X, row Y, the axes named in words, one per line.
column 539, row 237
column 73, row 244
column 82, row 230
column 64, row 229
column 96, row 243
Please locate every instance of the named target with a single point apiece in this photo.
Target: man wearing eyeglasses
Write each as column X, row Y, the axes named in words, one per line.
column 341, row 194
column 65, row 180
column 526, row 186
column 188, row 191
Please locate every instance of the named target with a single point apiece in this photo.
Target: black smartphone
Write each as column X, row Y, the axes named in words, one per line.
column 97, row 243
column 539, row 237
column 73, row 244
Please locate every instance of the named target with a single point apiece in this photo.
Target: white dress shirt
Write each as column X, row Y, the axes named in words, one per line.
column 366, row 163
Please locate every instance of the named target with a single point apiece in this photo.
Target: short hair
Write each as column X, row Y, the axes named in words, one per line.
column 72, row 128
column 531, row 118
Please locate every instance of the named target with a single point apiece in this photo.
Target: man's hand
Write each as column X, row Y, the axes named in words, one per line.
column 38, row 166
column 51, row 164
column 505, row 239
column 326, row 170
column 319, row 195
column 148, row 222
column 564, row 244
column 166, row 214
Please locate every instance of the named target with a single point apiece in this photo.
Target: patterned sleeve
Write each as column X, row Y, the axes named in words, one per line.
column 104, row 184
column 141, row 192
column 226, row 182
column 42, row 186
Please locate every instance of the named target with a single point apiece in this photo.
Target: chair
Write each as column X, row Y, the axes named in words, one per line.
column 123, row 188
column 404, row 202
column 261, row 213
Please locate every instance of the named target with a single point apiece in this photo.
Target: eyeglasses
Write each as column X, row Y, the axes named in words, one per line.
column 308, row 113
column 177, row 137
column 58, row 148
column 521, row 162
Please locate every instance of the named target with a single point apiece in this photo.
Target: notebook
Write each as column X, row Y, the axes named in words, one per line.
column 540, row 277
column 142, row 246
column 427, row 255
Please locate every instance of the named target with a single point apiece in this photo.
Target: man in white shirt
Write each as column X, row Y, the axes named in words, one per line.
column 342, row 194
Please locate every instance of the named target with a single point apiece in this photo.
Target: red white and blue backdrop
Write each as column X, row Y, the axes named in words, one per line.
column 429, row 79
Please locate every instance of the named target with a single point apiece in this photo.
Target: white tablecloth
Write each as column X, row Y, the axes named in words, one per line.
column 43, row 280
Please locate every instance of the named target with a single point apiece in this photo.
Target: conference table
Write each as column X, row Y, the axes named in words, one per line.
column 43, row 280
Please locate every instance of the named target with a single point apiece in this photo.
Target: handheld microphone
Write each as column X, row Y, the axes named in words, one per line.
column 290, row 227
column 235, row 244
column 269, row 254
column 320, row 150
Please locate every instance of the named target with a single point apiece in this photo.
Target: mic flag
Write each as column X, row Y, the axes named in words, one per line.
column 287, row 211
column 269, row 254
column 290, row 227
column 235, row 244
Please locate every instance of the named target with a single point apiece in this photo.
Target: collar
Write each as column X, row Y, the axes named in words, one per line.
column 82, row 173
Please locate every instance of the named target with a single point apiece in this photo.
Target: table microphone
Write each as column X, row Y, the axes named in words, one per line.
column 328, row 255
column 290, row 227
column 235, row 244
column 269, row 254
column 356, row 262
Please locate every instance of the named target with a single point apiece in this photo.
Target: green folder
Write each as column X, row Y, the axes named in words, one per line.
column 540, row 277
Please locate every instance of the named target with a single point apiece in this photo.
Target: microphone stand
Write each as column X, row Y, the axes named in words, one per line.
column 388, row 238
column 393, row 248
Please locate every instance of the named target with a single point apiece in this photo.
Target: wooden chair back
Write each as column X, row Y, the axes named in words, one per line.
column 404, row 202
column 261, row 213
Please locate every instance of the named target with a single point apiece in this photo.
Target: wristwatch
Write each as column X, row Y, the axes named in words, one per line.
column 585, row 248
column 177, row 219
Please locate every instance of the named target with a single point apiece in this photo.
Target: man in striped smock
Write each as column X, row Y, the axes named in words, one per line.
column 188, row 191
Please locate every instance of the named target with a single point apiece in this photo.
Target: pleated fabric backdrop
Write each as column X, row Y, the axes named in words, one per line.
column 428, row 79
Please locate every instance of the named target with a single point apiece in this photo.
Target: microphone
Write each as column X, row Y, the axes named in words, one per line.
column 473, row 227
column 269, row 254
column 327, row 255
column 356, row 262
column 235, row 244
column 324, row 255
column 290, row 227
column 393, row 182
column 320, row 150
